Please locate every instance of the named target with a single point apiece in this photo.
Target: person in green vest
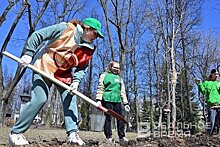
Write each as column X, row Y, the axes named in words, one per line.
column 111, row 94
column 211, row 89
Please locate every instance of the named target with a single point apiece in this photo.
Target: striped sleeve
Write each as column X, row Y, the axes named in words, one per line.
column 100, row 89
column 123, row 93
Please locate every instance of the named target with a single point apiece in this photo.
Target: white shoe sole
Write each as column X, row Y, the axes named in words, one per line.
column 13, row 145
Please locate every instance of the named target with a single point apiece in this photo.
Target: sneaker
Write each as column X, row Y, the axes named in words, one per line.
column 123, row 141
column 17, row 139
column 74, row 138
column 110, row 139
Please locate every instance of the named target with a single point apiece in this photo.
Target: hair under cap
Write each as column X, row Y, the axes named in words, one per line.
column 95, row 24
column 214, row 71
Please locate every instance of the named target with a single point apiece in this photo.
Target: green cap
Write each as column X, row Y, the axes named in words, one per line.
column 95, row 24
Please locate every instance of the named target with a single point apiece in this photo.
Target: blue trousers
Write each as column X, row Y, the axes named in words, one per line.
column 213, row 119
column 39, row 96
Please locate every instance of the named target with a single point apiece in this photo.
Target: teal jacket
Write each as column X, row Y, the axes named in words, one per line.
column 49, row 35
column 111, row 89
column 212, row 91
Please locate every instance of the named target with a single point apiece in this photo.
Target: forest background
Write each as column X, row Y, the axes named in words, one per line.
column 161, row 46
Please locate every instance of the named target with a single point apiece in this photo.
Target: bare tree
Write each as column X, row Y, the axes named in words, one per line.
column 7, row 9
column 42, row 7
column 121, row 18
column 191, row 16
column 167, row 20
column 5, row 93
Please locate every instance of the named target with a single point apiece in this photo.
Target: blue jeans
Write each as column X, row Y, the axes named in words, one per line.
column 213, row 118
column 39, row 95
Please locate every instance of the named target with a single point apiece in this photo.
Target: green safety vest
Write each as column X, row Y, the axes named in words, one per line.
column 112, row 88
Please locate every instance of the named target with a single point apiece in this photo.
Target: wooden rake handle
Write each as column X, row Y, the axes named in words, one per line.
column 108, row 111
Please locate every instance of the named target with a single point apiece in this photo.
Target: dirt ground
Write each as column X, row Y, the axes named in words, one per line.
column 42, row 137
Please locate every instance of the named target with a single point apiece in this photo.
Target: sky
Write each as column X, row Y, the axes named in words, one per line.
column 211, row 16
column 210, row 22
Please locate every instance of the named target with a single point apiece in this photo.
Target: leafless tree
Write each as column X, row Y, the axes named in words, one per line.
column 33, row 17
column 168, row 20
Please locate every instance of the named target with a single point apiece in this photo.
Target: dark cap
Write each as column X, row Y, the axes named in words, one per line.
column 214, row 71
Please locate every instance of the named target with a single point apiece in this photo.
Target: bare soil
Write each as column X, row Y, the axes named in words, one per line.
column 56, row 137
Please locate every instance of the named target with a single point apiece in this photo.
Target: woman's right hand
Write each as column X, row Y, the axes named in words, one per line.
column 25, row 60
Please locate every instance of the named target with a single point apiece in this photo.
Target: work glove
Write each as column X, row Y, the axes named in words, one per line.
column 25, row 60
column 99, row 102
column 127, row 107
column 74, row 86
